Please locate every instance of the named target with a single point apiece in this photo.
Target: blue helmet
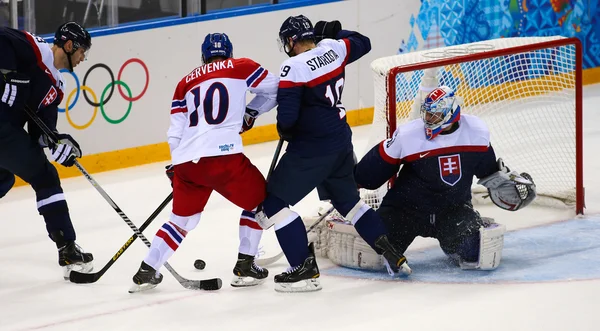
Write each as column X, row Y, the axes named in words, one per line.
column 297, row 28
column 440, row 110
column 216, row 44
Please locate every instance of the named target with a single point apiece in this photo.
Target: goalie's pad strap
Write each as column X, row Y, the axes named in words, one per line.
column 491, row 243
column 346, row 248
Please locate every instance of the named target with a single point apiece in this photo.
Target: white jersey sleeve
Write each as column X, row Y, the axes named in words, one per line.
column 265, row 88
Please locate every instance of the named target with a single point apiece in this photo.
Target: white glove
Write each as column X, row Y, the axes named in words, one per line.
column 66, row 150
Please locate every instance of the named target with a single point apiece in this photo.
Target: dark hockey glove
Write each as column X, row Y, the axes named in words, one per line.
column 66, row 150
column 284, row 134
column 249, row 119
column 324, row 30
column 170, row 171
column 14, row 90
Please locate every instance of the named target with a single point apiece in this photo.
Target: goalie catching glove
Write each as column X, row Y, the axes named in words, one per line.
column 508, row 189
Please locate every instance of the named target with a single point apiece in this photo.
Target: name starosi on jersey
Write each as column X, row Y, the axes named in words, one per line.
column 322, row 60
column 208, row 68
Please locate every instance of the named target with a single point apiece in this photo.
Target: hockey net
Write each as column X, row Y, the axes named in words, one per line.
column 528, row 92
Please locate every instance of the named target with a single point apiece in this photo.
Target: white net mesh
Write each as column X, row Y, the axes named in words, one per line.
column 527, row 99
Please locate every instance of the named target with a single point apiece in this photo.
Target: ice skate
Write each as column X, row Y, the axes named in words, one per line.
column 302, row 278
column 145, row 279
column 395, row 262
column 247, row 273
column 72, row 257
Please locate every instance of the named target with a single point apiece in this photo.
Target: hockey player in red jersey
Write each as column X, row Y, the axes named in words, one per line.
column 208, row 113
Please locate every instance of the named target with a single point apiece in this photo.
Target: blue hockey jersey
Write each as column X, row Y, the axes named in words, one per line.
column 310, row 95
column 28, row 54
column 435, row 174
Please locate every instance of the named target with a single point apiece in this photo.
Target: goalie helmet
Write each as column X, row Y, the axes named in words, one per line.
column 440, row 110
column 297, row 28
column 216, row 44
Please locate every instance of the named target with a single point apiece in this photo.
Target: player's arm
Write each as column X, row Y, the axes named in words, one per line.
column 63, row 151
column 356, row 44
column 264, row 84
column 380, row 164
column 289, row 98
column 179, row 109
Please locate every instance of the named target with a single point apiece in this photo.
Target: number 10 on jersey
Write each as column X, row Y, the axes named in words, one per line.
column 207, row 104
column 335, row 95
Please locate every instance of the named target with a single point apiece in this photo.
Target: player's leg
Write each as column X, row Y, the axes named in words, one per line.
column 472, row 241
column 189, row 199
column 7, row 180
column 245, row 186
column 340, row 187
column 23, row 157
column 293, row 179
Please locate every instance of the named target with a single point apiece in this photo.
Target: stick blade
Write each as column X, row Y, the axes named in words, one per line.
column 205, row 284
column 84, row 278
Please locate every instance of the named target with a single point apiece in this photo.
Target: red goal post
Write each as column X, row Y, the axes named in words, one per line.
column 528, row 90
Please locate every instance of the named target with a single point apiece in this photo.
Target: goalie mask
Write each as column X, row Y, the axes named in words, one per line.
column 216, row 44
column 440, row 110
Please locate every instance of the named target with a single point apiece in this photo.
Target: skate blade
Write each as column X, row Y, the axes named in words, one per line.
column 135, row 288
column 79, row 267
column 238, row 281
column 403, row 271
column 307, row 285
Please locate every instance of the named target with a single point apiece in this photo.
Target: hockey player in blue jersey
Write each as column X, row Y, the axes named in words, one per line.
column 431, row 197
column 30, row 77
column 312, row 118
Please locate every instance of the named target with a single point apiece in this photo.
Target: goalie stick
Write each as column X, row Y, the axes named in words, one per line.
column 270, row 260
column 208, row 284
column 86, row 278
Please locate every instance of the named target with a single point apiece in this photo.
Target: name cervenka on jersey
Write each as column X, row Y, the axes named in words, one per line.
column 208, row 68
column 322, row 60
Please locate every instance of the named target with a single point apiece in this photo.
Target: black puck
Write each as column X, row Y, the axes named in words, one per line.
column 199, row 264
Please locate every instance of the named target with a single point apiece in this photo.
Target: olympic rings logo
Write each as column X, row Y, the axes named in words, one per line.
column 110, row 88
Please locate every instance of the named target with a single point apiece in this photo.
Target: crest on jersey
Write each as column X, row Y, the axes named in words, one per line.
column 50, row 97
column 450, row 170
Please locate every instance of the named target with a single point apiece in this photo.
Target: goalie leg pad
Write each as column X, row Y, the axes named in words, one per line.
column 491, row 243
column 346, row 248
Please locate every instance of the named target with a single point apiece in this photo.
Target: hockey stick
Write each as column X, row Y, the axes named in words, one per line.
column 270, row 260
column 86, row 278
column 275, row 158
column 208, row 284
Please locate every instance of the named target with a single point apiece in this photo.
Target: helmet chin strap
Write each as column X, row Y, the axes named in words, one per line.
column 69, row 58
column 290, row 52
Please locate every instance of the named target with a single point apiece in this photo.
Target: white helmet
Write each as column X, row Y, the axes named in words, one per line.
column 440, row 110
